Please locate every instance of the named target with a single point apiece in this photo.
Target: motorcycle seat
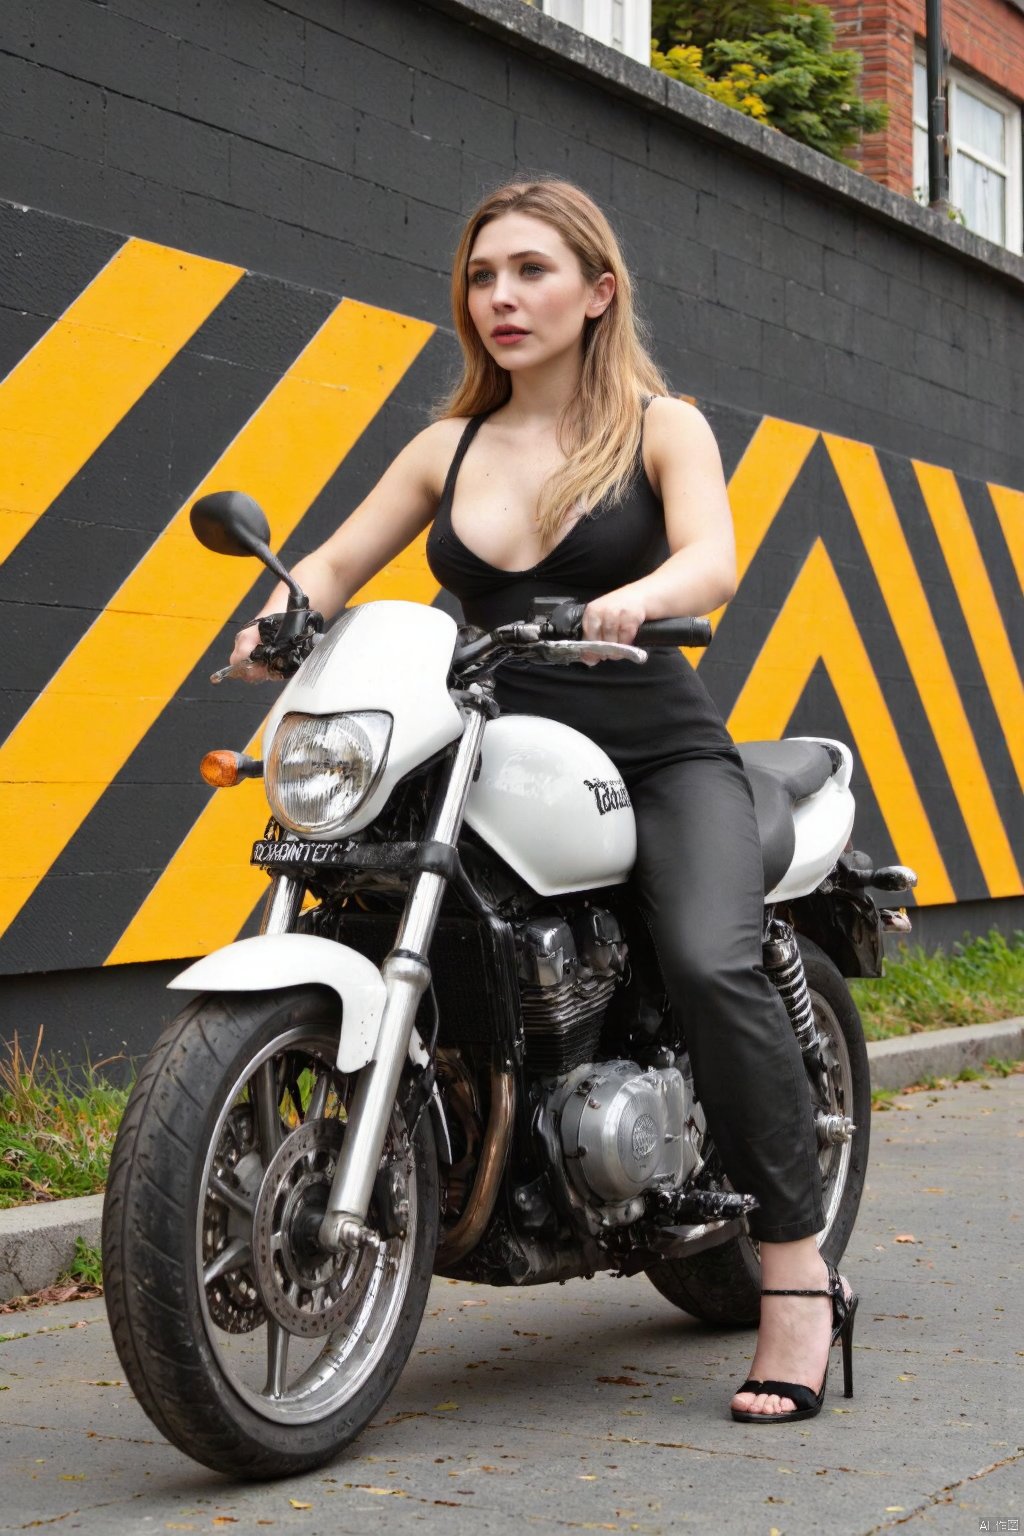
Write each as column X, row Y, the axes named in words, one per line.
column 781, row 774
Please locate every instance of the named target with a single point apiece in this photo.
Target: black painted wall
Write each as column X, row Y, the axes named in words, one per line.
column 336, row 143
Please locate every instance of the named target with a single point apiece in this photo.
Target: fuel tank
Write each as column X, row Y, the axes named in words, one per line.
column 553, row 805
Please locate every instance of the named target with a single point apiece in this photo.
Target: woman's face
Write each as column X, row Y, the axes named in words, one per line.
column 527, row 295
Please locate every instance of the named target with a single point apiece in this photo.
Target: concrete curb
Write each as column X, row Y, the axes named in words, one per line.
column 37, row 1242
column 943, row 1052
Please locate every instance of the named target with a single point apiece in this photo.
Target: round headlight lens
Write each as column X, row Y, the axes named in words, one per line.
column 322, row 767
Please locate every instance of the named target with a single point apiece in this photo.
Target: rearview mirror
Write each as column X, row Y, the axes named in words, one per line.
column 231, row 523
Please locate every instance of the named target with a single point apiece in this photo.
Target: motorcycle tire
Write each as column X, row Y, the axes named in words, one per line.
column 252, row 1349
column 723, row 1285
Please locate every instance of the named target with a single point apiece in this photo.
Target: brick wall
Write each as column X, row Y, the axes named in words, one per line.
column 984, row 37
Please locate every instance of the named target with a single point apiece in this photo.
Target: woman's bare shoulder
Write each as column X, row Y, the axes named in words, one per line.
column 433, row 449
column 670, row 415
column 677, row 439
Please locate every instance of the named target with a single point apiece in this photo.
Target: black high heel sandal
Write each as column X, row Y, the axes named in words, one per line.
column 808, row 1403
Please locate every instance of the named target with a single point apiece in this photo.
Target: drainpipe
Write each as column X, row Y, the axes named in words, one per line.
column 938, row 173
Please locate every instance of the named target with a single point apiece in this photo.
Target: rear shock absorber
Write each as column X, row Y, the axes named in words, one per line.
column 785, row 969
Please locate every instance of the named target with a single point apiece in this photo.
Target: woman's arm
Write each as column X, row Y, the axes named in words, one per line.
column 399, row 507
column 683, row 462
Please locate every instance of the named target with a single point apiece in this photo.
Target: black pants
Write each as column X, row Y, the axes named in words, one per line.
column 699, row 877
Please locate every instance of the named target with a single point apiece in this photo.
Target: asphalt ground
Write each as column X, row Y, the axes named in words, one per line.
column 597, row 1406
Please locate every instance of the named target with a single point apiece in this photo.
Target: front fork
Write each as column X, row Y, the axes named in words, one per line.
column 406, row 975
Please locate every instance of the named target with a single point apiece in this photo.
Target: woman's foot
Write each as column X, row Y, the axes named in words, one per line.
column 795, row 1332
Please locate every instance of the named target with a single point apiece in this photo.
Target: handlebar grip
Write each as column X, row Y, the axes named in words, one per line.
column 674, row 632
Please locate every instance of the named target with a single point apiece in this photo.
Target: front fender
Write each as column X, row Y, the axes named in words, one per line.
column 273, row 961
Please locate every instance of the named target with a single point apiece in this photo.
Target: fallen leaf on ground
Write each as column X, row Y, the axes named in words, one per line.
column 445, row 1407
column 102, row 1383
column 905, row 1237
column 51, row 1295
column 299, row 1504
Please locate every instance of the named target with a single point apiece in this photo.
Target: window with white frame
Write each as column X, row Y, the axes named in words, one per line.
column 623, row 24
column 984, row 155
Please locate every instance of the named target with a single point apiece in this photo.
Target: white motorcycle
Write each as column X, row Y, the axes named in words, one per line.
column 459, row 1060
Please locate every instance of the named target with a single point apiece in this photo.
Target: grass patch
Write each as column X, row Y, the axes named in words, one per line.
column 86, row 1268
column 979, row 982
column 55, row 1140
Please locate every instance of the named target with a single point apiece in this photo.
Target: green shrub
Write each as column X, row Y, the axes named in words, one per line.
column 774, row 60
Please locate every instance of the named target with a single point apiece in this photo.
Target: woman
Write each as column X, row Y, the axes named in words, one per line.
column 562, row 467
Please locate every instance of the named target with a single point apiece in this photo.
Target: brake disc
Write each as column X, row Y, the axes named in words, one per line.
column 307, row 1289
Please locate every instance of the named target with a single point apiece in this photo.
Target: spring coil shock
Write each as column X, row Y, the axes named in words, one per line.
column 785, row 969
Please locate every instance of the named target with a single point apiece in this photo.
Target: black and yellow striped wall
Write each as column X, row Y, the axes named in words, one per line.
column 877, row 600
column 226, row 228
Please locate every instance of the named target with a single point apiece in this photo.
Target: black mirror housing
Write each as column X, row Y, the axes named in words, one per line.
column 230, row 523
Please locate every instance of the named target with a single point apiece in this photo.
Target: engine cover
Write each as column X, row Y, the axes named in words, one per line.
column 622, row 1130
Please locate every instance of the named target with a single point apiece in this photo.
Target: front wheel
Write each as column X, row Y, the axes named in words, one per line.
column 723, row 1285
column 253, row 1349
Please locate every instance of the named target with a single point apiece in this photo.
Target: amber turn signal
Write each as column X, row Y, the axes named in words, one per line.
column 223, row 768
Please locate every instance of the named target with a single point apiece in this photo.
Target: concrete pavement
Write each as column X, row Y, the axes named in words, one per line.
column 597, row 1406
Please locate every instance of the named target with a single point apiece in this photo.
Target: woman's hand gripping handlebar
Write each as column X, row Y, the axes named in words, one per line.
column 285, row 640
column 565, row 618
column 555, row 635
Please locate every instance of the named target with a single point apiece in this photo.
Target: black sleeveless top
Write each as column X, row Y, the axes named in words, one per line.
column 643, row 717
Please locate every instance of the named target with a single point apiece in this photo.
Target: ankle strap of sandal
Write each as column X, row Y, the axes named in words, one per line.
column 796, row 1293
column 835, row 1286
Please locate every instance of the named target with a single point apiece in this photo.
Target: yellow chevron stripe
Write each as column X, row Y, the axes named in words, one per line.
column 815, row 621
column 759, row 485
column 208, row 889
column 1009, row 507
column 974, row 590
column 80, row 731
column 71, row 390
column 868, row 495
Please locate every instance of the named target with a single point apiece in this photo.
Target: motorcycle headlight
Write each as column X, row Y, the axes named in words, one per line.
column 322, row 767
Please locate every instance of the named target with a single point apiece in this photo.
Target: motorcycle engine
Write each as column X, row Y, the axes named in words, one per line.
column 614, row 1131
column 624, row 1132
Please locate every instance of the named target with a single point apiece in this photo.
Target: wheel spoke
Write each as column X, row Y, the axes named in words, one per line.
column 268, row 1112
column 229, row 1258
column 230, row 1197
column 277, row 1359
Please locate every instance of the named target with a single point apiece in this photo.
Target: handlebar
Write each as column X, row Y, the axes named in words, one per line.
column 555, row 635
column 566, row 619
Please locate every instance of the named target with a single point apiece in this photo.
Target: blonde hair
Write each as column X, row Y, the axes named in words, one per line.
column 600, row 430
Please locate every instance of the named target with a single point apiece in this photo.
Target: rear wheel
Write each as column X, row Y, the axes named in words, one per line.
column 253, row 1349
column 723, row 1285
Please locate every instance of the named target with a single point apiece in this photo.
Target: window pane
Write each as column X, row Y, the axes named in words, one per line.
column 920, row 164
column 920, row 92
column 982, row 198
column 979, row 125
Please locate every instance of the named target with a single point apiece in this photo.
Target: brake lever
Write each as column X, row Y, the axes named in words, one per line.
column 565, row 652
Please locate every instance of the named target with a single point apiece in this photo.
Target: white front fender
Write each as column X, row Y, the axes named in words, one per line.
column 276, row 960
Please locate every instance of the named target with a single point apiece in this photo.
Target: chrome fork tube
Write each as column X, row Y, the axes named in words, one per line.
column 283, row 904
column 406, row 976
